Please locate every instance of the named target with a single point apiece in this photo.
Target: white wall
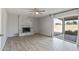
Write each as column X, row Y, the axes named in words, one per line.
column 45, row 25
column 4, row 28
column 12, row 25
column 24, row 21
column 0, row 20
column 0, row 27
column 35, row 25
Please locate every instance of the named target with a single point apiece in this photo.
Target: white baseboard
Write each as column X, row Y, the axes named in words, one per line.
column 43, row 34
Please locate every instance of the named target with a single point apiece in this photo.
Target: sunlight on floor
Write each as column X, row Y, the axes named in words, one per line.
column 62, row 45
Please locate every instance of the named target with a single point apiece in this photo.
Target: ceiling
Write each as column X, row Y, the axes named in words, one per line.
column 25, row 11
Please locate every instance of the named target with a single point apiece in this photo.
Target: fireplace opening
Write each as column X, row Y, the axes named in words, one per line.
column 26, row 29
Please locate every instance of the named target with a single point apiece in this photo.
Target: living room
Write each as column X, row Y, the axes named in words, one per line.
column 24, row 29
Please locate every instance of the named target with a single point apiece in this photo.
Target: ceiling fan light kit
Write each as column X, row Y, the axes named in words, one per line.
column 36, row 13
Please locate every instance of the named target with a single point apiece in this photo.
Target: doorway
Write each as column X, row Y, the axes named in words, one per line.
column 69, row 31
column 58, row 32
column 71, row 28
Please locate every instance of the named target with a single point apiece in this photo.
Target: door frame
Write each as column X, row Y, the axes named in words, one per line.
column 77, row 40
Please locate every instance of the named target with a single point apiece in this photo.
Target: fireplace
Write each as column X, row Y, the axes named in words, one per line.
column 26, row 29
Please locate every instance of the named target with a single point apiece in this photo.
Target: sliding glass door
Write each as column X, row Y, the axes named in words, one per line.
column 58, row 28
column 66, row 28
column 71, row 29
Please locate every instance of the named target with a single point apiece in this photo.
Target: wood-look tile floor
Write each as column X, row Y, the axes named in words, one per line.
column 38, row 43
column 27, row 43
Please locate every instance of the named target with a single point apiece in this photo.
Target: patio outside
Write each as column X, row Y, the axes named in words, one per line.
column 70, row 29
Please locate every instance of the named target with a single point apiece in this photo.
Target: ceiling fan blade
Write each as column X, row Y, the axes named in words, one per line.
column 38, row 10
column 35, row 9
column 41, row 10
column 31, row 11
column 40, row 13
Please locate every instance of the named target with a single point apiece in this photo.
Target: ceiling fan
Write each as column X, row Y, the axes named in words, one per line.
column 37, row 11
